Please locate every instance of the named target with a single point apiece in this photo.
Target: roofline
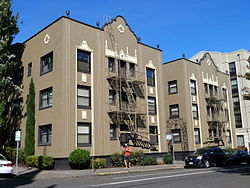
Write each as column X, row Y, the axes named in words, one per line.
column 99, row 28
column 149, row 46
column 57, row 21
column 181, row 59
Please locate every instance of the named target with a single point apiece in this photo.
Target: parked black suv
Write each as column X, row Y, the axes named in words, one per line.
column 206, row 157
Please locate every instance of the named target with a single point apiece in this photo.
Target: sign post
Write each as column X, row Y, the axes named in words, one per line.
column 17, row 139
column 169, row 137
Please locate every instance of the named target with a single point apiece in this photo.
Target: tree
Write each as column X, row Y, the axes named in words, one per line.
column 30, row 122
column 10, row 75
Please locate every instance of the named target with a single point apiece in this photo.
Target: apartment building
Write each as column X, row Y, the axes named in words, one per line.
column 236, row 63
column 96, row 89
column 198, row 104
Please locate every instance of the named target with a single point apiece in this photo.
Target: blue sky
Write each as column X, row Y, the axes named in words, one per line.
column 179, row 26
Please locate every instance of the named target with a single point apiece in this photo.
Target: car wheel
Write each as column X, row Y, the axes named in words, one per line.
column 206, row 163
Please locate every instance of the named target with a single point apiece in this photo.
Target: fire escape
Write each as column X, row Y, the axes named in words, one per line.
column 126, row 110
column 217, row 116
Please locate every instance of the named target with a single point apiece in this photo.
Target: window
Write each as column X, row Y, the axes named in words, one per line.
column 44, row 137
column 153, row 131
column 193, row 87
column 174, row 111
column 29, row 69
column 150, row 77
column 176, row 135
column 208, row 111
column 197, row 136
column 211, row 90
column 83, row 61
column 195, row 111
column 238, row 122
column 172, row 87
column 46, row 98
column 112, row 97
column 112, row 132
column 229, row 141
column 206, row 88
column 236, row 103
column 234, row 83
column 131, row 70
column 83, row 97
column 240, row 140
column 215, row 90
column 111, row 64
column 151, row 105
column 224, row 93
column 83, row 134
column 46, row 64
column 232, row 68
column 122, row 68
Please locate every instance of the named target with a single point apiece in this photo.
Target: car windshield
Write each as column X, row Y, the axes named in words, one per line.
column 200, row 151
column 2, row 158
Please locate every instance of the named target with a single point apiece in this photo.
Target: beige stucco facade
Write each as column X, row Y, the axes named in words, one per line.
column 184, row 72
column 64, row 38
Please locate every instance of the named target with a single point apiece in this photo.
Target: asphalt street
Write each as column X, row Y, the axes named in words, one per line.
column 230, row 177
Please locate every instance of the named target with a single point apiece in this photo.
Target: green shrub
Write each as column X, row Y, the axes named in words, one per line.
column 228, row 149
column 10, row 154
column 46, row 162
column 79, row 159
column 99, row 163
column 149, row 161
column 136, row 158
column 168, row 158
column 41, row 162
column 116, row 159
column 32, row 161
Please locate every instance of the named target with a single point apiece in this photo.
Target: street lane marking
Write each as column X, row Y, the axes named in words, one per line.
column 168, row 172
column 154, row 178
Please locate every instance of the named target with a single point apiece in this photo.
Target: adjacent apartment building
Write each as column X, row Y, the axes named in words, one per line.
column 198, row 104
column 236, row 64
column 96, row 89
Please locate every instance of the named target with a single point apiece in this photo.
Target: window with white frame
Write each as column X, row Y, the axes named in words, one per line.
column 153, row 131
column 150, row 77
column 113, row 132
column 111, row 64
column 240, row 140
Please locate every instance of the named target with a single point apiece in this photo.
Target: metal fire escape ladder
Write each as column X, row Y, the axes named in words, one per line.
column 123, row 115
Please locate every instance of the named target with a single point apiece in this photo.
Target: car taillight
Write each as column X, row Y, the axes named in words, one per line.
column 10, row 164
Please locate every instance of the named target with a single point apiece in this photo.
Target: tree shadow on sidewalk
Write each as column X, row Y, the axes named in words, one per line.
column 14, row 181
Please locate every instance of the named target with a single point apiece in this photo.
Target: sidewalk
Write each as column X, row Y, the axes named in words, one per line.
column 35, row 174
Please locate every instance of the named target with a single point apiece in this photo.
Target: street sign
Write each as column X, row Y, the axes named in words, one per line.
column 18, row 136
column 169, row 136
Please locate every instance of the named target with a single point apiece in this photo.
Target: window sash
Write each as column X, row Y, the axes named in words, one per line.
column 197, row 136
column 111, row 64
column 174, row 111
column 176, row 135
column 45, row 135
column 83, row 96
column 46, row 64
column 46, row 98
column 193, row 87
column 151, row 105
column 83, row 61
column 172, row 87
column 83, row 134
column 195, row 111
column 150, row 77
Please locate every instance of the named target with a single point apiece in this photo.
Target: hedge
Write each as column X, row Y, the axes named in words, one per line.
column 41, row 162
column 79, row 159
